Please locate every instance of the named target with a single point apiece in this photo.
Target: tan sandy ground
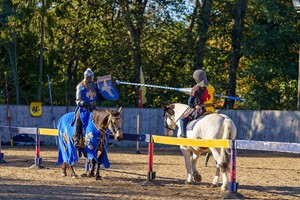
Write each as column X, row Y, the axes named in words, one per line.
column 261, row 175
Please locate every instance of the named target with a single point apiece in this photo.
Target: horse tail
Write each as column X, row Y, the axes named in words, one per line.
column 224, row 156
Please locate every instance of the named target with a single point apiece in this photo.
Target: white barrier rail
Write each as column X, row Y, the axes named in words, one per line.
column 285, row 147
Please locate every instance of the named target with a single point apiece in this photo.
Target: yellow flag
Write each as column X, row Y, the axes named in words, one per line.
column 142, row 93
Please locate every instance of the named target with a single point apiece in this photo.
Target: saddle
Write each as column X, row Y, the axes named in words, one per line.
column 192, row 123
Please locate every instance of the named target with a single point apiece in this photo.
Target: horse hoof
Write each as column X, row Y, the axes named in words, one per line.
column 212, row 185
column 197, row 178
column 63, row 174
column 188, row 183
column 223, row 189
column 83, row 175
column 74, row 176
column 90, row 175
column 98, row 178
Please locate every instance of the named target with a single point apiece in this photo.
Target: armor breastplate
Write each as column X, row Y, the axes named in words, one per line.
column 89, row 94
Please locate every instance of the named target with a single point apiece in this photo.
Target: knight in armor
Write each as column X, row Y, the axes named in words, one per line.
column 86, row 96
column 200, row 100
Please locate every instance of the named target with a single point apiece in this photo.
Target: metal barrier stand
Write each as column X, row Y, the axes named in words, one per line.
column 233, row 185
column 150, row 173
column 38, row 159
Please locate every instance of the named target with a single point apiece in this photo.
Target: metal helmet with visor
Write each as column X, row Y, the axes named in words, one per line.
column 88, row 75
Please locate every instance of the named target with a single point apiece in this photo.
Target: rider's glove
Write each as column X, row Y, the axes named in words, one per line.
column 83, row 104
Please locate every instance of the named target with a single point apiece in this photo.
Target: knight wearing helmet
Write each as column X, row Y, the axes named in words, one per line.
column 86, row 97
column 200, row 100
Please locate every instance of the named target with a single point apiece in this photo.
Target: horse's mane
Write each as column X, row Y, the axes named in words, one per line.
column 179, row 104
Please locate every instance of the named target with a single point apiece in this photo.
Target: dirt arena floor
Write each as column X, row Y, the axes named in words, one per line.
column 261, row 175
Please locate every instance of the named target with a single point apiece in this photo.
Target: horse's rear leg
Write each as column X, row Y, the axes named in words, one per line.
column 216, row 156
column 224, row 170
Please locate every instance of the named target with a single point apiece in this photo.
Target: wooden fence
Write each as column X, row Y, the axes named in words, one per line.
column 262, row 125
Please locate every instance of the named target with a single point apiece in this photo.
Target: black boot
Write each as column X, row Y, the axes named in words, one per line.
column 78, row 132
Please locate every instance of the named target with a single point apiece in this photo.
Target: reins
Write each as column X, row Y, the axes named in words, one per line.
column 175, row 121
column 109, row 122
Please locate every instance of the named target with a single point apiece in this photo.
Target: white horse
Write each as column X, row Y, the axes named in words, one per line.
column 212, row 126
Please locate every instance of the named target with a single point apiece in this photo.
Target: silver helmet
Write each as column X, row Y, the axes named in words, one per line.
column 89, row 75
column 200, row 78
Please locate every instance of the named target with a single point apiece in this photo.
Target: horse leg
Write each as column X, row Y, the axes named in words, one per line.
column 216, row 156
column 91, row 172
column 188, row 166
column 206, row 159
column 196, row 175
column 98, row 177
column 225, row 181
column 64, row 169
column 73, row 174
column 87, row 168
column 224, row 170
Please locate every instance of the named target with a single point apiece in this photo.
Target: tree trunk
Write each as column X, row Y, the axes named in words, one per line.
column 235, row 52
column 12, row 53
column 194, row 15
column 41, row 63
column 134, row 15
column 13, row 64
column 72, row 82
column 204, row 22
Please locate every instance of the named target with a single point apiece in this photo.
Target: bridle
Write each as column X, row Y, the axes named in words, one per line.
column 168, row 115
column 114, row 128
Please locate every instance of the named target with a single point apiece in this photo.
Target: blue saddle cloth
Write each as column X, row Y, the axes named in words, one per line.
column 66, row 150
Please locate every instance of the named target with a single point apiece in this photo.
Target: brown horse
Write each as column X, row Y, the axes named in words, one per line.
column 94, row 136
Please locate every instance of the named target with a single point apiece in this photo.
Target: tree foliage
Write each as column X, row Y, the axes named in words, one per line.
column 167, row 38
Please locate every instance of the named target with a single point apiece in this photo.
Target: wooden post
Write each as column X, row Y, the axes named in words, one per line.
column 298, row 103
column 138, row 132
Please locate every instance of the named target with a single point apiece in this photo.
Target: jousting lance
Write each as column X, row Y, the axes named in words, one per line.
column 183, row 90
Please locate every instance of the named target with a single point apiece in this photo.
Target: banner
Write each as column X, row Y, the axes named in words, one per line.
column 142, row 90
column 36, row 109
column 106, row 88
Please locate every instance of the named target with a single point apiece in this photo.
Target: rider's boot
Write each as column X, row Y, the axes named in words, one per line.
column 183, row 124
column 78, row 135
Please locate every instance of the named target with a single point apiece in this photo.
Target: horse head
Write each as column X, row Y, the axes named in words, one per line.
column 109, row 119
column 169, row 120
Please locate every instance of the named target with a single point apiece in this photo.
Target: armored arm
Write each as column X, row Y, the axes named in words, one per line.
column 79, row 100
